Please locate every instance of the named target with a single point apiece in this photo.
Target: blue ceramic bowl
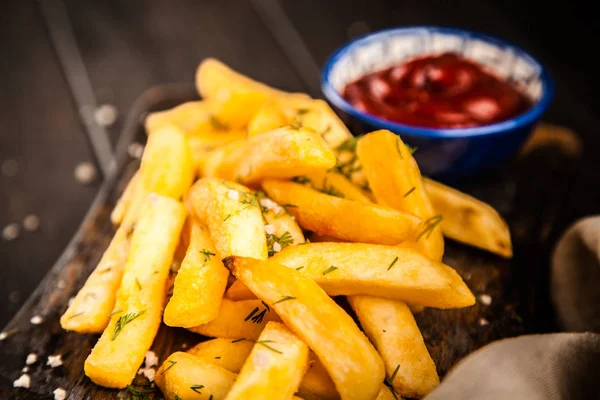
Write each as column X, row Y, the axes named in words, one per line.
column 443, row 152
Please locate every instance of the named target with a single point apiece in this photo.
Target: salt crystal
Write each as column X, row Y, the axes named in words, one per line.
column 151, row 359
column 24, row 381
column 149, row 373
column 270, row 229
column 10, row 232
column 71, row 300
column 106, row 115
column 61, row 284
column 233, row 194
column 31, row 223
column 483, row 322
column 135, row 150
column 276, row 247
column 36, row 320
column 54, row 361
column 485, row 299
column 31, row 359
column 85, row 173
column 25, row 369
column 3, row 335
column 60, row 394
column 268, row 203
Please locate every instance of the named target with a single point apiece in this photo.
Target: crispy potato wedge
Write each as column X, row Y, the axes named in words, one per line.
column 391, row 327
column 317, row 384
column 383, row 271
column 239, row 320
column 328, row 215
column 215, row 80
column 395, row 179
column 274, row 368
column 335, row 184
column 90, row 310
column 199, row 284
column 226, row 353
column 118, row 213
column 166, row 169
column 239, row 108
column 282, row 153
column 120, row 350
column 193, row 118
column 221, row 161
column 348, row 356
column 187, row 377
column 233, row 216
column 468, row 220
column 269, row 117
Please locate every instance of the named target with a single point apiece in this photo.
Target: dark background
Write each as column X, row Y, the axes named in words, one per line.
column 129, row 46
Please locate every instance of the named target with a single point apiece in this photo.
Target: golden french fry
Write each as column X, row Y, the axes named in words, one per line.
column 166, row 169
column 469, row 220
column 383, row 271
column 282, row 153
column 215, row 80
column 203, row 145
column 317, row 384
column 118, row 213
column 396, row 182
column 221, row 161
column 233, row 216
column 349, row 358
column 238, row 320
column 238, row 291
column 274, row 368
column 193, row 118
column 226, row 353
column 391, row 327
column 335, row 184
column 267, row 118
column 120, row 350
column 199, row 284
column 90, row 310
column 239, row 108
column 187, row 377
column 329, row 215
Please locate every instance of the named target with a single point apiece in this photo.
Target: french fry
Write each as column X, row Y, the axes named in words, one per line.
column 233, row 216
column 387, row 393
column 118, row 213
column 215, row 80
column 187, row 377
column 329, row 215
column 239, row 108
column 469, row 220
column 274, row 368
column 226, row 353
column 391, row 327
column 267, row 118
column 199, row 284
column 238, row 291
column 203, row 145
column 349, row 358
column 281, row 226
column 334, row 183
column 193, row 118
column 166, row 169
column 120, row 350
column 395, row 179
column 282, row 153
column 317, row 384
column 221, row 161
column 238, row 320
column 90, row 310
column 383, row 271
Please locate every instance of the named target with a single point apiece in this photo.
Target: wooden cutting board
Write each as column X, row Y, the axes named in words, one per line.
column 528, row 193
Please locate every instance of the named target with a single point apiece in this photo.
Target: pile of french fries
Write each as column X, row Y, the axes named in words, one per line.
column 269, row 207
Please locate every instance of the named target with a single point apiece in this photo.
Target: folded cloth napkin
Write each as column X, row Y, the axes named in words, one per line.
column 557, row 366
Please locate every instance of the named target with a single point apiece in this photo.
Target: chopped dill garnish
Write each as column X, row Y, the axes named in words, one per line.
column 301, row 179
column 123, row 321
column 140, row 391
column 302, row 111
column 399, row 148
column 411, row 149
column 388, row 383
column 299, row 268
column 9, row 333
column 251, row 314
column 115, row 312
column 393, row 262
column 137, row 283
column 349, row 144
column 429, row 226
column 177, row 397
column 285, row 210
column 77, row 315
column 330, row 189
column 325, row 131
column 227, row 217
column 196, row 388
column 330, row 269
column 217, row 357
column 218, row 125
column 348, row 168
column 284, row 241
column 207, row 255
column 410, row 191
column 210, row 397
column 264, row 343
column 257, row 317
column 238, row 340
column 169, row 367
column 284, row 298
column 105, row 270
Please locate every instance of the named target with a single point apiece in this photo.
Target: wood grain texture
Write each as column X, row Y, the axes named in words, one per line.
column 516, row 192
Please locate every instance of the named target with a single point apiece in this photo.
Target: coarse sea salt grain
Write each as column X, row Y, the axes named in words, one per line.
column 270, row 229
column 60, row 394
column 25, row 369
column 54, row 361
column 151, row 359
column 485, row 299
column 276, row 247
column 10, row 232
column 31, row 359
column 483, row 322
column 150, row 374
column 24, row 381
column 36, row 320
column 233, row 194
column 268, row 203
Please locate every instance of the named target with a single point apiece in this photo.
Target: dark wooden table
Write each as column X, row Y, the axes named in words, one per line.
column 129, row 46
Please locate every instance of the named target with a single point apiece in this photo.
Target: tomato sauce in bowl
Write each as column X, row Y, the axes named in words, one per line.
column 437, row 91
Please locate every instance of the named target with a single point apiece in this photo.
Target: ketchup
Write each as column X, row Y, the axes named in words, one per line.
column 438, row 91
